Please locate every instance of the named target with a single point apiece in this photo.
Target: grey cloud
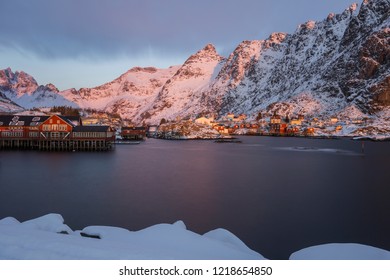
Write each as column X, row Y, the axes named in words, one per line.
column 92, row 29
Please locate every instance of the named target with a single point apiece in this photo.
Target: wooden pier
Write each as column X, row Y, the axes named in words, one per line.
column 53, row 133
column 56, row 145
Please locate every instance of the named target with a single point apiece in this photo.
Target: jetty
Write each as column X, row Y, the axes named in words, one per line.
column 53, row 133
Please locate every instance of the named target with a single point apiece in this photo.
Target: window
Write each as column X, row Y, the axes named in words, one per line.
column 62, row 127
column 55, row 135
column 12, row 133
column 46, row 127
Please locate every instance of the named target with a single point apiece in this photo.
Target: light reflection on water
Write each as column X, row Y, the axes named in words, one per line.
column 278, row 195
column 320, row 150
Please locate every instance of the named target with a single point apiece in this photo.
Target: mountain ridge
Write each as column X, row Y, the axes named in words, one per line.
column 324, row 68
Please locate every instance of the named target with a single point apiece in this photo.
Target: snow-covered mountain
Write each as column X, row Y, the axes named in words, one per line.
column 6, row 105
column 128, row 95
column 337, row 66
column 181, row 94
column 23, row 91
column 322, row 68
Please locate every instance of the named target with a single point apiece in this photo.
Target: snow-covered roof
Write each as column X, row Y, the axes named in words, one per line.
column 11, row 120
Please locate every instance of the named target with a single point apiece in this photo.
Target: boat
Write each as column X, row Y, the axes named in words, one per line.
column 121, row 142
column 227, row 140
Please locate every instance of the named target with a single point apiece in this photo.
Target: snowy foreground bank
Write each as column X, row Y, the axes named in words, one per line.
column 40, row 239
column 48, row 237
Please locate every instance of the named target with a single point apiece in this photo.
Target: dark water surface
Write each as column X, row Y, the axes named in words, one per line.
column 278, row 195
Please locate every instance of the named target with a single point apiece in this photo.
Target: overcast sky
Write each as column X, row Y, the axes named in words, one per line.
column 84, row 43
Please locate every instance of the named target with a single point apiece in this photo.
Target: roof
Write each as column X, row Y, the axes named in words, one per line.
column 72, row 118
column 16, row 120
column 65, row 119
column 92, row 128
column 134, row 128
column 11, row 120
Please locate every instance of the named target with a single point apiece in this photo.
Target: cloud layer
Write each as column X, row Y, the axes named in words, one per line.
column 92, row 28
column 101, row 30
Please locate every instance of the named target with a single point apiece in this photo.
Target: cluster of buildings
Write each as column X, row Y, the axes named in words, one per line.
column 274, row 125
column 70, row 133
column 53, row 132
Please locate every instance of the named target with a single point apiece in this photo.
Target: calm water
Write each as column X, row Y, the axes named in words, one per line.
column 278, row 195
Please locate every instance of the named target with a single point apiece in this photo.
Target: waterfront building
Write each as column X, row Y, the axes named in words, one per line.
column 53, row 132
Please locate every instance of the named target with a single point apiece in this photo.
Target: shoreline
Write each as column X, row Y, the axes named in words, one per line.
column 330, row 137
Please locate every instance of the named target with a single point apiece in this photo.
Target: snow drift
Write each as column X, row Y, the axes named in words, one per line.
column 48, row 237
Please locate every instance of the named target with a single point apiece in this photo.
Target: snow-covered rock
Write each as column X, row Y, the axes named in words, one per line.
column 9, row 221
column 38, row 239
column 348, row 251
column 50, row 223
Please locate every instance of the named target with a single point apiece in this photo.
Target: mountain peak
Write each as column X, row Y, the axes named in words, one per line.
column 18, row 82
column 210, row 48
column 277, row 37
column 143, row 69
column 354, row 6
column 52, row 87
column 351, row 10
column 208, row 53
column 6, row 76
column 309, row 25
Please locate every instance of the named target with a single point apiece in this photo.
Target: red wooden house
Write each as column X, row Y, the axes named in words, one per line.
column 52, row 133
column 133, row 133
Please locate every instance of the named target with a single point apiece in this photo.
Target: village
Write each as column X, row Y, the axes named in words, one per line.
column 234, row 125
column 100, row 130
